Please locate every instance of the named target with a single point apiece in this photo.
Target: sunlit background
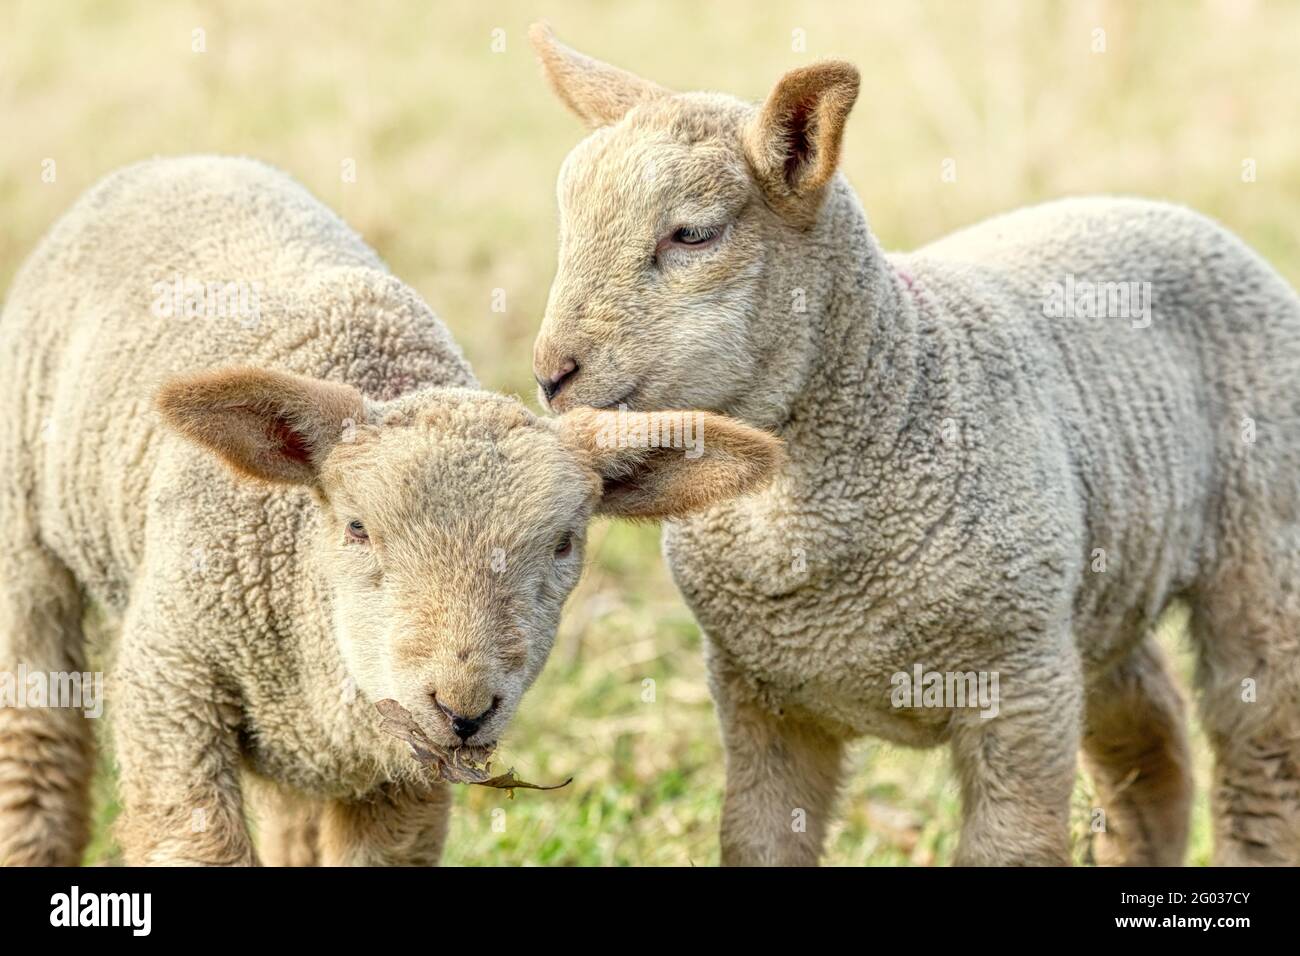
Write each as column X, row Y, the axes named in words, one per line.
column 456, row 141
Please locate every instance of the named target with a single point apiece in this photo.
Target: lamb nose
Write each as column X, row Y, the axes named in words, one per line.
column 551, row 386
column 463, row 727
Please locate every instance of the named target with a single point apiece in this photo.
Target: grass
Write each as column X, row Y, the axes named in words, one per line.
column 456, row 148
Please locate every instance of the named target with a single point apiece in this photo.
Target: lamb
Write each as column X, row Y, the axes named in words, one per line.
column 289, row 505
column 978, row 483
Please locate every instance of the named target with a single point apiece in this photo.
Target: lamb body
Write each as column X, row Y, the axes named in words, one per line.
column 971, row 485
column 404, row 536
column 1004, row 449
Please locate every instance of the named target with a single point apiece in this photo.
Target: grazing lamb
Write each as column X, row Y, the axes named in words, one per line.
column 383, row 530
column 986, row 487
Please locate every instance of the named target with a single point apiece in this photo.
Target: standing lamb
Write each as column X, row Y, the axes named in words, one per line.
column 982, row 483
column 383, row 530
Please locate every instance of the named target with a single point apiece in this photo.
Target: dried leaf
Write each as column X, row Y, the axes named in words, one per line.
column 470, row 765
column 510, row 783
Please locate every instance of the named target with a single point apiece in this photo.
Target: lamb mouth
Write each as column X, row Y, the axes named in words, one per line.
column 475, row 754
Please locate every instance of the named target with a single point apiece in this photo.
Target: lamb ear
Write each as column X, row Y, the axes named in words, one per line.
column 599, row 94
column 670, row 464
column 794, row 142
column 265, row 424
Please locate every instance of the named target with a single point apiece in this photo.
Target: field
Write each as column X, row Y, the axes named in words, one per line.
column 455, row 142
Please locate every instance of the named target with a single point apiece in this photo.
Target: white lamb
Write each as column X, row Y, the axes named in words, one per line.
column 396, row 533
column 1008, row 452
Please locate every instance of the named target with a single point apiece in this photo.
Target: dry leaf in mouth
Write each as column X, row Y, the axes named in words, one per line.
column 454, row 765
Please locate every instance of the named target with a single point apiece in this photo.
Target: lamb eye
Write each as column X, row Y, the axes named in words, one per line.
column 565, row 547
column 357, row 531
column 695, row 235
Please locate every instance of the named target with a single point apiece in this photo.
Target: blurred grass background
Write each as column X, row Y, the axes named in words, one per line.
column 456, row 146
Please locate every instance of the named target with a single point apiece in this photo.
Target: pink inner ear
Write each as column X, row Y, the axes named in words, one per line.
column 290, row 443
column 799, row 137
